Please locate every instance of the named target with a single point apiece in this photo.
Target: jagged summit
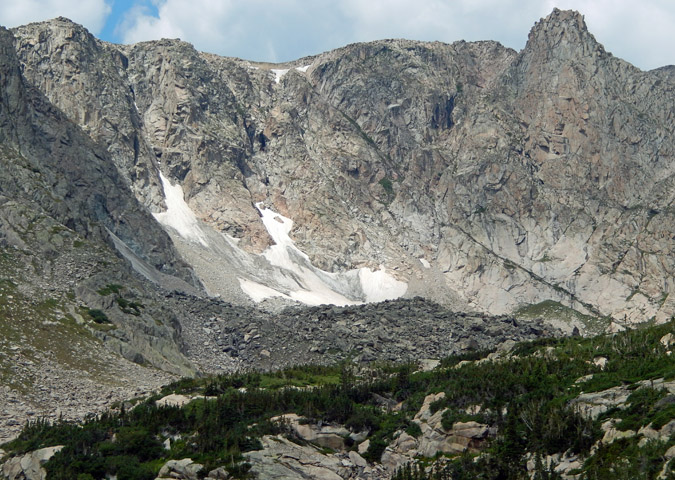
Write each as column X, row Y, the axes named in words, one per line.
column 61, row 23
column 561, row 36
column 570, row 19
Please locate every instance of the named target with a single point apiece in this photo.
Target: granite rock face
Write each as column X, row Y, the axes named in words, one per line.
column 29, row 466
column 64, row 209
column 481, row 177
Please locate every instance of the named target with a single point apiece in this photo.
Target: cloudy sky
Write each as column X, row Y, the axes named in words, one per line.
column 641, row 32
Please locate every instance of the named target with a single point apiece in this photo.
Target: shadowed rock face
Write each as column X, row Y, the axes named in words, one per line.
column 61, row 202
column 55, row 165
column 517, row 177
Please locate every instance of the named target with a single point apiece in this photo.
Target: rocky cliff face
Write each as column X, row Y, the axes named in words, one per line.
column 63, row 208
column 480, row 177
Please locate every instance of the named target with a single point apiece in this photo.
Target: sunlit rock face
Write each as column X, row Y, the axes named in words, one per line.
column 472, row 174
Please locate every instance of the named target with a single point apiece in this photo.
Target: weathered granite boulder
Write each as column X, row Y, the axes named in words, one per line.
column 328, row 436
column 184, row 469
column 29, row 466
column 284, row 460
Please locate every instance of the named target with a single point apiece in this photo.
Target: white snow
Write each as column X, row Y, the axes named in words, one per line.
column 303, row 69
column 178, row 214
column 257, row 291
column 425, row 263
column 379, row 286
column 311, row 285
column 284, row 254
column 393, row 105
column 279, row 72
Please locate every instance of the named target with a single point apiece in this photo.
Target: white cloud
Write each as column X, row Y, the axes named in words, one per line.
column 281, row 30
column 260, row 28
column 445, row 20
column 90, row 13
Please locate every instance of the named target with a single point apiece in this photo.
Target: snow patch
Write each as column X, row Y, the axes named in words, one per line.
column 300, row 280
column 178, row 214
column 257, row 291
column 303, row 69
column 278, row 73
column 425, row 263
column 322, row 296
column 285, row 255
column 379, row 286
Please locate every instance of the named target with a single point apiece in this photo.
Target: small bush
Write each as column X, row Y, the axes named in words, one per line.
column 375, row 449
column 414, row 430
column 97, row 315
column 110, row 289
column 387, row 186
column 134, row 308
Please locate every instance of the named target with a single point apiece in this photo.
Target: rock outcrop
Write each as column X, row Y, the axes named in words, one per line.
column 434, row 438
column 184, row 469
column 28, row 466
column 280, row 458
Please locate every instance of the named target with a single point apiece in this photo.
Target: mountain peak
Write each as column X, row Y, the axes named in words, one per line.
column 567, row 19
column 562, row 35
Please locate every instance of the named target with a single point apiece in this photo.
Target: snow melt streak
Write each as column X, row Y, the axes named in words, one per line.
column 315, row 291
column 178, row 214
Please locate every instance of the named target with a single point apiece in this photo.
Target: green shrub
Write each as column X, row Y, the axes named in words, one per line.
column 97, row 315
column 414, row 430
column 387, row 186
column 110, row 289
column 641, row 408
column 126, row 306
column 375, row 449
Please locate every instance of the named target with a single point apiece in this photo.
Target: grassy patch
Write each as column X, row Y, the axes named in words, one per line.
column 552, row 310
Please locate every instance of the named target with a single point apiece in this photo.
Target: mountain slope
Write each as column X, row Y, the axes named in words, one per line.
column 515, row 177
column 152, row 194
